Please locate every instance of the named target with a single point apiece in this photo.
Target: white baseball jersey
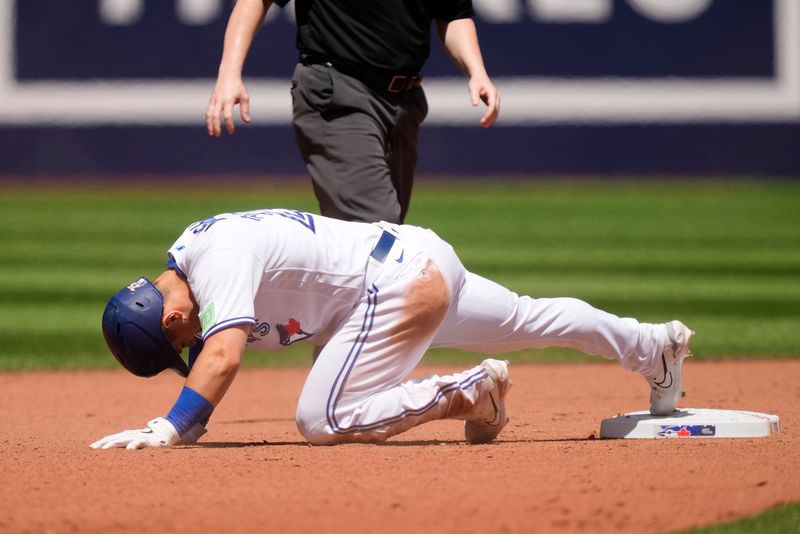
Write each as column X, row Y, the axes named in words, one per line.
column 292, row 275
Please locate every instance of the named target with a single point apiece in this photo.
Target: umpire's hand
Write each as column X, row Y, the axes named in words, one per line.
column 481, row 89
column 228, row 92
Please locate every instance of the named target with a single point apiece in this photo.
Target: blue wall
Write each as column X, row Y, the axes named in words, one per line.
column 720, row 42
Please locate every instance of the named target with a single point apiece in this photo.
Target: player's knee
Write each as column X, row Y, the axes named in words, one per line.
column 314, row 427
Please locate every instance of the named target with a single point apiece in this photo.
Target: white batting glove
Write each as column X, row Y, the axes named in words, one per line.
column 193, row 434
column 159, row 433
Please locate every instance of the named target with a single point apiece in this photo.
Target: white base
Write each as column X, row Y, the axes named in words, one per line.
column 691, row 423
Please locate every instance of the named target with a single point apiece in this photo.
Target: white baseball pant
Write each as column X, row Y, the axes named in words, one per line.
column 356, row 390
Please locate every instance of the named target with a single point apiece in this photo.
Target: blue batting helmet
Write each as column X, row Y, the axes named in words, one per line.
column 132, row 328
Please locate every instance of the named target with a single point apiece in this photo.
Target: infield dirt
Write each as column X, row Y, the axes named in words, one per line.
column 253, row 473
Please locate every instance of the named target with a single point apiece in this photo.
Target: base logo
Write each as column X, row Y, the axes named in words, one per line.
column 686, row 431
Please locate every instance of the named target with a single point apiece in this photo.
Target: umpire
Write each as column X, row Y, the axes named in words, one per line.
column 357, row 92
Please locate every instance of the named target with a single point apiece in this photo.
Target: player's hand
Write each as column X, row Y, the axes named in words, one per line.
column 193, row 434
column 483, row 90
column 159, row 433
column 228, row 92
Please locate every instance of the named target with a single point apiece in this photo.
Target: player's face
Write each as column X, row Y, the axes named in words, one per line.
column 183, row 341
column 182, row 334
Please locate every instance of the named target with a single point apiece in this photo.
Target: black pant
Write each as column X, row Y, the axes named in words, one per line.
column 359, row 144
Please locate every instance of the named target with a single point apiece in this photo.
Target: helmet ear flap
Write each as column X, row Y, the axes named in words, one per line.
column 132, row 330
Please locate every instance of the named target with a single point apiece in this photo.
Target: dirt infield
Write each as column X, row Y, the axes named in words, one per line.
column 254, row 473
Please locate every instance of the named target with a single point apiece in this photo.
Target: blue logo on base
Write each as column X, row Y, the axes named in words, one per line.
column 686, row 431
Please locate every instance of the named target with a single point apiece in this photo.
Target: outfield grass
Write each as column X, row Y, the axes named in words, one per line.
column 784, row 519
column 722, row 256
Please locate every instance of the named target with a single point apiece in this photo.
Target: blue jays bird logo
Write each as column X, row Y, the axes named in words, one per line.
column 292, row 332
column 686, row 431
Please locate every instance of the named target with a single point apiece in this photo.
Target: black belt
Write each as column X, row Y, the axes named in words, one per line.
column 383, row 246
column 382, row 81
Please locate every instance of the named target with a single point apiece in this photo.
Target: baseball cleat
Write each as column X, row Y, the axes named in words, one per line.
column 486, row 430
column 667, row 379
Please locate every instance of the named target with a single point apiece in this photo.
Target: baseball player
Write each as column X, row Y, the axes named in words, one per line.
column 375, row 297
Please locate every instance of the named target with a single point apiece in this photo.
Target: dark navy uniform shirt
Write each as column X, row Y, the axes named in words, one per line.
column 384, row 35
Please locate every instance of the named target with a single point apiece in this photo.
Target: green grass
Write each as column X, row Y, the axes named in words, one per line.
column 722, row 256
column 784, row 519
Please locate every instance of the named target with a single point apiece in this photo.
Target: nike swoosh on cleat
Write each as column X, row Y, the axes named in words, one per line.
column 400, row 259
column 496, row 420
column 660, row 383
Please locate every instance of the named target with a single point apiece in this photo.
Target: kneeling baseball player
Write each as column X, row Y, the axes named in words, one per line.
column 375, row 297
